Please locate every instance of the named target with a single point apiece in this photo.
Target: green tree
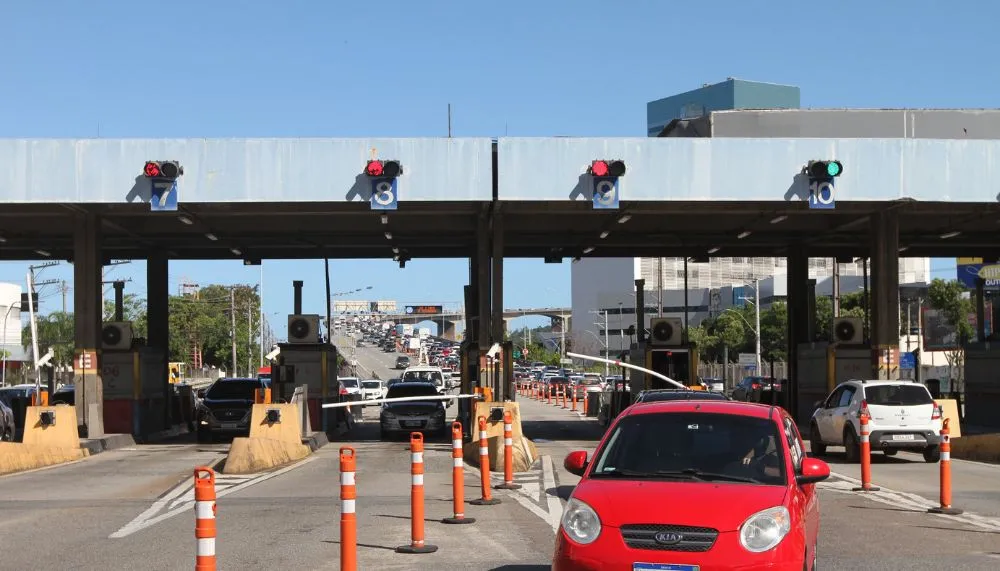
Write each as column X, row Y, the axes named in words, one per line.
column 851, row 305
column 56, row 331
column 133, row 309
column 702, row 338
column 948, row 297
column 204, row 320
column 773, row 332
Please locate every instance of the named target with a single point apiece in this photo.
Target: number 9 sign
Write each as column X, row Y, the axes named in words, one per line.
column 384, row 194
column 605, row 193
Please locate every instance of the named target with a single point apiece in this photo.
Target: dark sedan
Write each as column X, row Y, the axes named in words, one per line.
column 426, row 416
column 225, row 408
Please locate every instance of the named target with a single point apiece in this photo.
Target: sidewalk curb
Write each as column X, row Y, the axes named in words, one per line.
column 107, row 442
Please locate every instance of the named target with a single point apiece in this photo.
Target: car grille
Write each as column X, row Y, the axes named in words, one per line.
column 230, row 414
column 652, row 537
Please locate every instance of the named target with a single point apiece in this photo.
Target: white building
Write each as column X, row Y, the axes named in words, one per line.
column 10, row 321
column 603, row 289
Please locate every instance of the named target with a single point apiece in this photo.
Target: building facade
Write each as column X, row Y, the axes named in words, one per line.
column 729, row 94
column 10, row 321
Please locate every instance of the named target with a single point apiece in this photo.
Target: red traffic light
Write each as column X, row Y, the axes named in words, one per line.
column 604, row 167
column 388, row 169
column 162, row 169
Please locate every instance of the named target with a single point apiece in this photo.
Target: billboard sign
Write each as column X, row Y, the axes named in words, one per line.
column 967, row 270
column 424, row 309
column 941, row 335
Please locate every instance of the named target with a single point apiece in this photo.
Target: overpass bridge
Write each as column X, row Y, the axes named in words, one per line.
column 448, row 319
column 87, row 200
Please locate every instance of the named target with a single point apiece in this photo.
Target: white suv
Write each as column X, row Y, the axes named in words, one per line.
column 902, row 416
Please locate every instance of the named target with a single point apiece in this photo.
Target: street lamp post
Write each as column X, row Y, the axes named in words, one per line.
column 621, row 324
column 756, row 305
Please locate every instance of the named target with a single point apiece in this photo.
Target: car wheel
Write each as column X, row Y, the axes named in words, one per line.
column 816, row 445
column 815, row 557
column 7, row 436
column 932, row 454
column 852, row 449
column 889, row 452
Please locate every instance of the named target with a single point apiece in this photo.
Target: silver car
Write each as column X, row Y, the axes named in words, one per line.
column 426, row 416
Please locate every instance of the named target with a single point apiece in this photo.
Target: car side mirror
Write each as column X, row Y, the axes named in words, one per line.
column 818, row 404
column 201, row 393
column 576, row 462
column 813, row 470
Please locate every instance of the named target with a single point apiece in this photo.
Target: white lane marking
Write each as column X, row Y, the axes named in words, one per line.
column 148, row 517
column 845, row 484
column 549, row 483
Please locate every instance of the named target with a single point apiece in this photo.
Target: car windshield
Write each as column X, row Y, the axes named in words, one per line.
column 897, row 395
column 422, row 376
column 590, row 381
column 349, row 382
column 403, row 390
column 558, row 380
column 693, row 446
column 681, row 395
column 242, row 389
column 371, row 385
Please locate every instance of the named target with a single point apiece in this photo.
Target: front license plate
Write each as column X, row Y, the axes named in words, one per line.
column 902, row 437
column 412, row 423
column 229, row 426
column 663, row 567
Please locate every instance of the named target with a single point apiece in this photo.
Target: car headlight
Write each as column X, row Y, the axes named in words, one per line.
column 580, row 522
column 765, row 529
column 388, row 415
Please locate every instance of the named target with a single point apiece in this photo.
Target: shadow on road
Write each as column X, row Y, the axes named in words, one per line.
column 522, row 568
column 368, row 545
column 561, row 430
column 562, row 492
column 839, row 458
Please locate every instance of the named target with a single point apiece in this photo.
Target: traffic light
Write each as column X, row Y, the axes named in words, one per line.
column 824, row 170
column 383, row 169
column 169, row 170
column 34, row 304
column 607, row 168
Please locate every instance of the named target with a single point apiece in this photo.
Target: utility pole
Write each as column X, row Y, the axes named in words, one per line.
column 756, row 307
column 260, row 303
column 607, row 348
column 562, row 343
column 232, row 315
column 249, row 340
column 659, row 288
column 65, row 288
column 836, row 288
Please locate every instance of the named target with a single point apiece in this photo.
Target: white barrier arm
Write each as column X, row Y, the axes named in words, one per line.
column 400, row 399
column 618, row 363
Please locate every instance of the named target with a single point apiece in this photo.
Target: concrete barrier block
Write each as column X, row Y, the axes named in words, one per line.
column 62, row 434
column 253, row 455
column 525, row 454
column 17, row 457
column 287, row 429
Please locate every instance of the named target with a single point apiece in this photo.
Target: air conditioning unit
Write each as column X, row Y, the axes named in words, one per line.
column 848, row 330
column 303, row 328
column 116, row 335
column 666, row 332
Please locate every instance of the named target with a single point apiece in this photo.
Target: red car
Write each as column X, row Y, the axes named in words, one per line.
column 693, row 486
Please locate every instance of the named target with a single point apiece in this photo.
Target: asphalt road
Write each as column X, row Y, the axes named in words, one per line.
column 132, row 508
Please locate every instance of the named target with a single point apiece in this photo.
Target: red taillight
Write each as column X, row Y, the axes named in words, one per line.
column 936, row 414
column 343, row 391
column 863, row 411
column 755, row 386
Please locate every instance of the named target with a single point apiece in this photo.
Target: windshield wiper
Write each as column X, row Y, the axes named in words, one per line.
column 708, row 476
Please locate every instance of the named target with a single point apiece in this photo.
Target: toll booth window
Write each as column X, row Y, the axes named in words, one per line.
column 897, row 395
column 233, row 390
column 701, row 447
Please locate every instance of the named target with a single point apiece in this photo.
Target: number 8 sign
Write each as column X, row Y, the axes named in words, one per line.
column 605, row 193
column 384, row 194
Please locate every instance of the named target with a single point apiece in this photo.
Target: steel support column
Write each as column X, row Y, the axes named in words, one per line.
column 496, row 317
column 885, row 289
column 798, row 325
column 483, row 280
column 88, row 309
column 158, row 334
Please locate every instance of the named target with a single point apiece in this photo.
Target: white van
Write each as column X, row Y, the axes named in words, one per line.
column 424, row 374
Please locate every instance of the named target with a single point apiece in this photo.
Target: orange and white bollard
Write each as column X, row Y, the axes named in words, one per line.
column 417, row 543
column 204, row 513
column 508, row 453
column 565, row 397
column 866, row 456
column 487, row 498
column 348, row 517
column 573, row 395
column 548, row 393
column 458, row 478
column 945, row 465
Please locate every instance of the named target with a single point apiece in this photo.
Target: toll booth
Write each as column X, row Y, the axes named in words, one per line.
column 822, row 366
column 678, row 363
column 315, row 366
column 137, row 399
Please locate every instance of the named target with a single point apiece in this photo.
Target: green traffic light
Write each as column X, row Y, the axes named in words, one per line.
column 833, row 168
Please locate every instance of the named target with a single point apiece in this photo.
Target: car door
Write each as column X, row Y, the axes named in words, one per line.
column 805, row 500
column 824, row 416
column 840, row 414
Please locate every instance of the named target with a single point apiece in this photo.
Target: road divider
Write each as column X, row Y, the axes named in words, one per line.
column 865, row 449
column 50, row 438
column 204, row 523
column 348, row 517
column 945, row 473
column 457, row 478
column 417, row 543
column 275, row 440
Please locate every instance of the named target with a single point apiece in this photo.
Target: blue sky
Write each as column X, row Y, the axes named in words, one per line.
column 337, row 69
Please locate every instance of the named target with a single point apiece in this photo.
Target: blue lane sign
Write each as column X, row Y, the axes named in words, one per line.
column 907, row 360
column 605, row 193
column 164, row 196
column 821, row 195
column 384, row 194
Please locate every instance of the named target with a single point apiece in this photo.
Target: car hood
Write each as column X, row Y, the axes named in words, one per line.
column 722, row 506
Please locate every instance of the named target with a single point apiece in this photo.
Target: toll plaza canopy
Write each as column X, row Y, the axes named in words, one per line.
column 310, row 198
